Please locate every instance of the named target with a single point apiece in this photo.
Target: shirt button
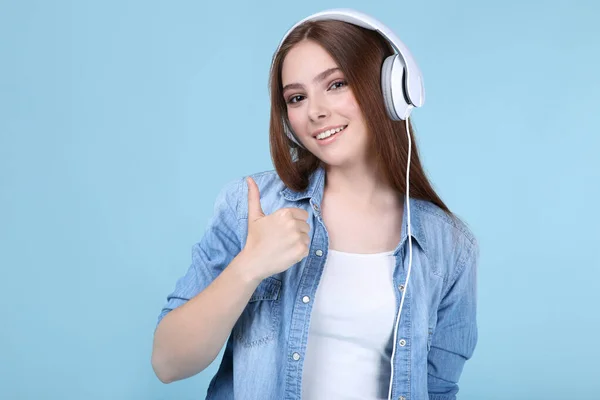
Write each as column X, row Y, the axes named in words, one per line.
column 402, row 342
column 305, row 299
column 315, row 207
column 296, row 356
column 319, row 253
column 401, row 287
column 401, row 398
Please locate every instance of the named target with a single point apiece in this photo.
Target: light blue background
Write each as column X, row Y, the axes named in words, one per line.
column 120, row 122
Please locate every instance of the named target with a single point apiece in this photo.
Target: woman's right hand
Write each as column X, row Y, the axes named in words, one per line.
column 276, row 241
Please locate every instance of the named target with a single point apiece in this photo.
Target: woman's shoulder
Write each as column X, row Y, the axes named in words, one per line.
column 234, row 192
column 434, row 217
column 447, row 235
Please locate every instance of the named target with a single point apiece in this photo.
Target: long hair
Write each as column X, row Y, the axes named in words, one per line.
column 360, row 54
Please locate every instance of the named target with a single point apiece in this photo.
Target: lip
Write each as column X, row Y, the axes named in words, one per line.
column 316, row 133
column 332, row 138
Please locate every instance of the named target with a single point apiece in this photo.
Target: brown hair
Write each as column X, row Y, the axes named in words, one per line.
column 359, row 53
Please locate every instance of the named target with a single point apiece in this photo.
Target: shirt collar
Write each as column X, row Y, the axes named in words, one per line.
column 314, row 192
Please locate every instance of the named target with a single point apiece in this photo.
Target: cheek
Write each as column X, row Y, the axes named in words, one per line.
column 349, row 107
column 296, row 119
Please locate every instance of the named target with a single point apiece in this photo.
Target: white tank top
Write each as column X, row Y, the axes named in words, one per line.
column 351, row 329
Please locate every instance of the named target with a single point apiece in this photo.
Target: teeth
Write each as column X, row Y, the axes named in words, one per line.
column 329, row 132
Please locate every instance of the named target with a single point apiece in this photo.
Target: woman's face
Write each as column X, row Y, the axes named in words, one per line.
column 319, row 103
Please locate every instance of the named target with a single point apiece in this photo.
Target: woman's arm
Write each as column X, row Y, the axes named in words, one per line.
column 455, row 336
column 190, row 337
column 202, row 309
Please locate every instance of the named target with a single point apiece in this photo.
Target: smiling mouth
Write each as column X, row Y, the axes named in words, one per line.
column 330, row 133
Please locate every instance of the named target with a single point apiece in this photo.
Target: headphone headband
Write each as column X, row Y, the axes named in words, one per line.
column 413, row 78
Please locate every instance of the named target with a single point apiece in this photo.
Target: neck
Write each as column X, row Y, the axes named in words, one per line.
column 359, row 185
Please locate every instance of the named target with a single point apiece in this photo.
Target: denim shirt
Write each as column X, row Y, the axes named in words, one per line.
column 263, row 356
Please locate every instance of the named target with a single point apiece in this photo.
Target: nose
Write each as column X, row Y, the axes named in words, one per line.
column 317, row 109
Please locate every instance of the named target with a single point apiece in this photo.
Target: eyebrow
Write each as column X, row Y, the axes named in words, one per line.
column 317, row 78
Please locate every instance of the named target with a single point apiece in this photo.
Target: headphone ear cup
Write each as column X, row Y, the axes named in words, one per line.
column 290, row 134
column 386, row 83
column 392, row 85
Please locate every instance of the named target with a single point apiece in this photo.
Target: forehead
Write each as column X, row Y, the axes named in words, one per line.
column 304, row 61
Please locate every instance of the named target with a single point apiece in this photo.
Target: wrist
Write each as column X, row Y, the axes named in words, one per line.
column 245, row 267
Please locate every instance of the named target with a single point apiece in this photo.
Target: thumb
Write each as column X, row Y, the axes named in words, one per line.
column 254, row 208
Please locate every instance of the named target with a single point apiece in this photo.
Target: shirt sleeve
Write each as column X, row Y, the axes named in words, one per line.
column 455, row 336
column 218, row 246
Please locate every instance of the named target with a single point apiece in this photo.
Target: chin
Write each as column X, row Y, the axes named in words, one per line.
column 336, row 161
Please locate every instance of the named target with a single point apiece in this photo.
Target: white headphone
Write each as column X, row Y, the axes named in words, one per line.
column 401, row 78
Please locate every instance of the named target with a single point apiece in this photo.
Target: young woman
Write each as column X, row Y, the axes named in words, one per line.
column 310, row 274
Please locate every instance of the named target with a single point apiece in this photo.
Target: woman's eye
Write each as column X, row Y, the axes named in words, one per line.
column 295, row 99
column 338, row 84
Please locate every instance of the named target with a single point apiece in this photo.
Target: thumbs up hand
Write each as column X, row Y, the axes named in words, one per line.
column 276, row 241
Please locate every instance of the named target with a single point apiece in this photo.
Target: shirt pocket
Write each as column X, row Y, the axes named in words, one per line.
column 258, row 322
